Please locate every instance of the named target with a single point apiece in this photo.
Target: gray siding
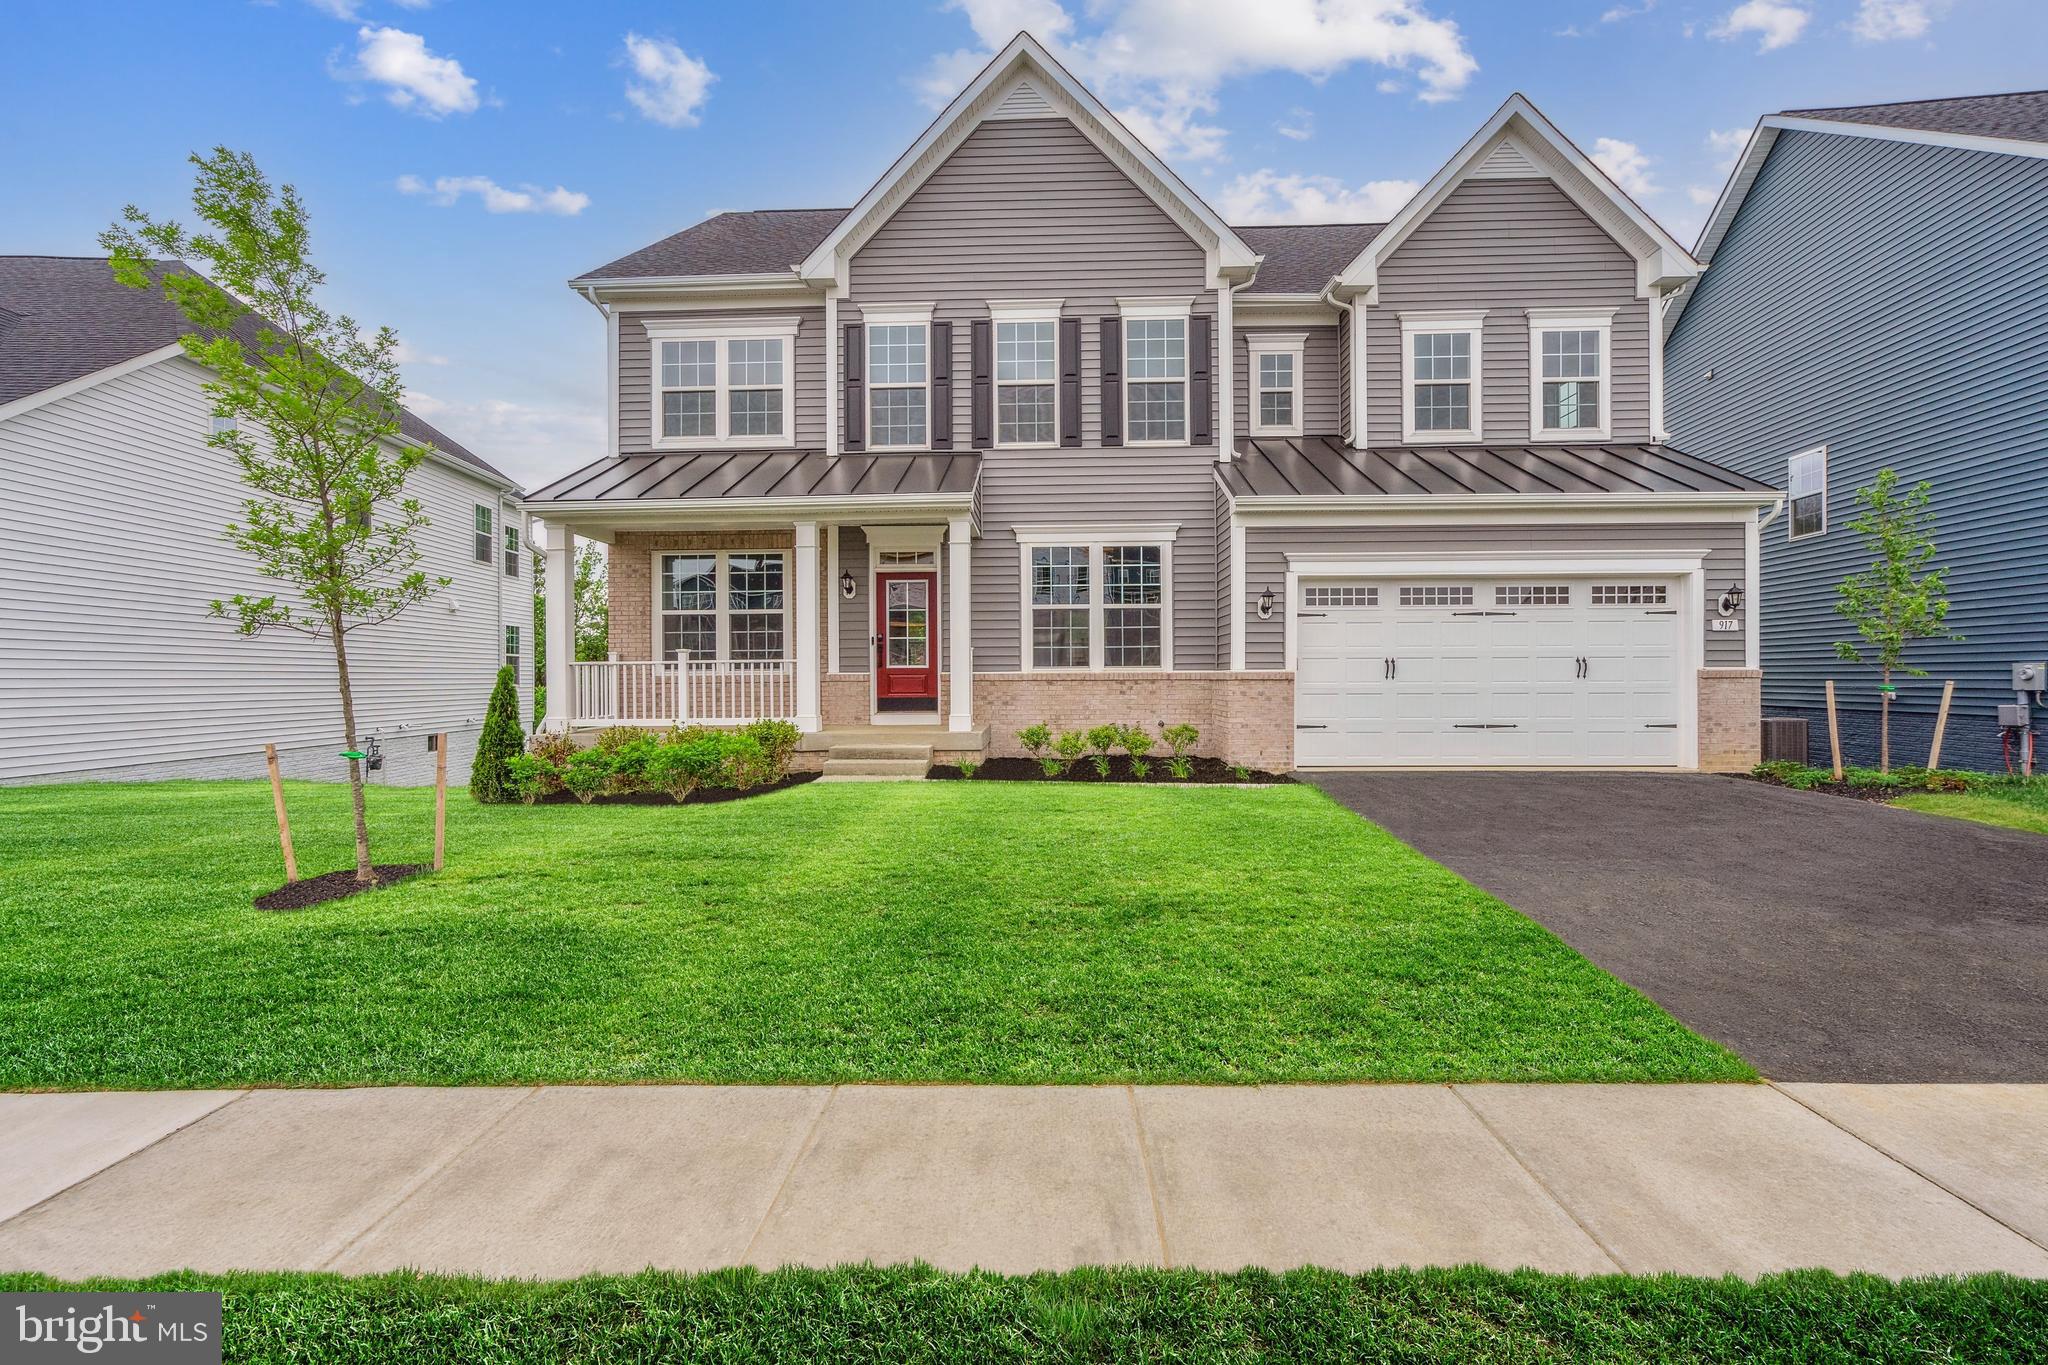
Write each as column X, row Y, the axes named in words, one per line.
column 1267, row 548
column 1321, row 385
column 1507, row 246
column 1861, row 279
column 636, row 411
column 856, row 618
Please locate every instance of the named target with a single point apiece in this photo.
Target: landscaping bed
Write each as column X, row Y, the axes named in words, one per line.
column 1862, row 784
column 699, row 796
column 2004, row 799
column 1201, row 772
column 334, row 886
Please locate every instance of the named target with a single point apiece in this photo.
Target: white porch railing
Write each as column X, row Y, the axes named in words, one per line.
column 680, row 692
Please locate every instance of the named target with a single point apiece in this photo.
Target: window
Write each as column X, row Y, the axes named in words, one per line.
column 723, row 383
column 1806, row 484
column 1340, row 597
column 512, row 650
column 898, row 374
column 482, row 546
column 1543, row 596
column 220, row 426
column 1156, row 373
column 1630, row 594
column 511, row 552
column 1569, row 352
column 730, row 605
column 1436, row 597
column 1027, row 373
column 1276, row 383
column 1102, row 604
column 1442, row 394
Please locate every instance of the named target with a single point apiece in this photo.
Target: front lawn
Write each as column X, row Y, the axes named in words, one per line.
column 864, row 932
column 2012, row 803
column 865, row 1313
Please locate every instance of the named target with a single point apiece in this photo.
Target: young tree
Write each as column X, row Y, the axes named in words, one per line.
column 314, row 403
column 1893, row 603
column 490, row 774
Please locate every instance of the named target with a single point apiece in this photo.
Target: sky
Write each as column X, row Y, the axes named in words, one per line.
column 461, row 159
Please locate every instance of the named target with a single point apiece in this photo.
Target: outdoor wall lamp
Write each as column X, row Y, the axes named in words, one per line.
column 1731, row 600
column 846, row 585
column 1266, row 605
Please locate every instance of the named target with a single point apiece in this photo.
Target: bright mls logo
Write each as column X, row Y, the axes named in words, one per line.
column 169, row 1328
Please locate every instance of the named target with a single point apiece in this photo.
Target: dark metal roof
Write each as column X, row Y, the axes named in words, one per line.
column 65, row 317
column 714, row 474
column 1303, row 257
column 2021, row 115
column 755, row 243
column 1323, row 466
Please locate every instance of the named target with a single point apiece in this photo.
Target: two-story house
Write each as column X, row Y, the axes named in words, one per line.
column 1871, row 304
column 1029, row 433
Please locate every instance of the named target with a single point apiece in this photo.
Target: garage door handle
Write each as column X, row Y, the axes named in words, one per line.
column 1669, row 611
column 1311, row 727
column 1483, row 613
column 1661, row 725
column 1305, row 615
column 1486, row 727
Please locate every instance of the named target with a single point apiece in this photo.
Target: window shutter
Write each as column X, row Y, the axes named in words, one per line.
column 1201, row 420
column 1112, row 381
column 1070, row 381
column 981, row 358
column 942, row 386
column 853, row 355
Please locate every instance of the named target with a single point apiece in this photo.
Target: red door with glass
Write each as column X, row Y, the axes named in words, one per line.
column 907, row 662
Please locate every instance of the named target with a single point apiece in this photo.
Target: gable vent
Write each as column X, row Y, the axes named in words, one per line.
column 1025, row 100
column 1506, row 162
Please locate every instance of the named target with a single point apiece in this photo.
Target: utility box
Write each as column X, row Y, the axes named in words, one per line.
column 1784, row 739
column 2030, row 677
column 2013, row 716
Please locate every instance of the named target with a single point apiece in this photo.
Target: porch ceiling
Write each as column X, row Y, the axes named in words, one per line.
column 710, row 478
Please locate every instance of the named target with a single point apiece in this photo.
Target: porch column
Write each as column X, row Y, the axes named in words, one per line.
column 559, row 583
column 806, row 605
column 960, row 611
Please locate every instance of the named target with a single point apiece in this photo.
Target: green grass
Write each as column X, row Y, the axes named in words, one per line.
column 873, row 932
column 2013, row 803
column 918, row 1314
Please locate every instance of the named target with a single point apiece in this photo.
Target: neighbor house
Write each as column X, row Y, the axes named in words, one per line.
column 1030, row 433
column 112, row 513
column 1872, row 301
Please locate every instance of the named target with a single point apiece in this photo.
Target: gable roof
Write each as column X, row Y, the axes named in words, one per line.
column 1302, row 258
column 761, row 242
column 63, row 318
column 2021, row 115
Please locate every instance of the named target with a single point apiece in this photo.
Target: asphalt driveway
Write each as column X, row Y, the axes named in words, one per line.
column 1823, row 939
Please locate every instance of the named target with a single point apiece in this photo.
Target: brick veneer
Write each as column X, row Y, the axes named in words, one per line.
column 1731, row 719
column 1244, row 717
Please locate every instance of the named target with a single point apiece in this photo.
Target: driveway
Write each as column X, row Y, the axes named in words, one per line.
column 1823, row 939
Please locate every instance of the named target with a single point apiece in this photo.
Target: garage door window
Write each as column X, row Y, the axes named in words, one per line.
column 1535, row 595
column 1630, row 594
column 1436, row 597
column 1340, row 597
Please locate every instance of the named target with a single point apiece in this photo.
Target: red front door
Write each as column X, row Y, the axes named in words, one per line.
column 907, row 664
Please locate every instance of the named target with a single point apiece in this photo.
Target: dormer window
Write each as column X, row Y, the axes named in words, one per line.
column 1442, row 357
column 723, row 383
column 1567, row 393
column 899, row 380
column 1276, row 382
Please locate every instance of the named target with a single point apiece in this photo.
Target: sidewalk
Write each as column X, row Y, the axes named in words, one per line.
column 560, row 1181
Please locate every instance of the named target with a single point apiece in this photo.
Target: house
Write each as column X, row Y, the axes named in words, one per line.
column 1870, row 303
column 1030, row 434
column 112, row 509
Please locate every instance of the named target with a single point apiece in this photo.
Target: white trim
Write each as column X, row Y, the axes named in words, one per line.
column 960, row 644
column 668, row 512
column 30, row 401
column 1240, row 577
column 801, row 596
column 1153, row 306
column 922, row 539
column 1095, row 539
column 832, row 598
column 1112, row 532
column 835, row 386
column 1752, row 594
column 1975, row 142
column 1500, row 509
column 1160, row 310
column 1017, row 312
column 1791, row 518
column 906, row 539
column 721, row 608
column 1360, row 411
column 1598, row 320
column 1658, row 430
column 1433, row 322
column 1226, row 373
column 1257, row 344
column 897, row 315
column 721, row 333
column 616, row 381
column 917, row 315
column 1025, row 310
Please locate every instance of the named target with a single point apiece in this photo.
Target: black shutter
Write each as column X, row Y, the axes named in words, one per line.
column 853, row 396
column 1201, row 429
column 1112, row 381
column 942, row 386
column 981, row 359
column 1070, row 381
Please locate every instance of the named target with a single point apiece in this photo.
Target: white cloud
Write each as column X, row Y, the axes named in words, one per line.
column 415, row 78
column 447, row 189
column 1626, row 164
column 1617, row 13
column 671, row 85
column 1776, row 23
column 1390, row 87
column 339, row 9
column 1299, row 125
column 1702, row 195
column 1726, row 145
column 1880, row 21
column 1267, row 196
column 1159, row 63
column 530, row 442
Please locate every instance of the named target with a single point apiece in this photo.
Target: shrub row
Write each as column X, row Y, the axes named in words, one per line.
column 627, row 761
column 1055, row 754
column 1799, row 777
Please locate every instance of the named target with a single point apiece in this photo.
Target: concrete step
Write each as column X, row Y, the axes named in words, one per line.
column 901, row 753
column 905, row 769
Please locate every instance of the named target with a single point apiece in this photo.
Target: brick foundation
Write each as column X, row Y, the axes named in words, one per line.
column 1244, row 718
column 1731, row 714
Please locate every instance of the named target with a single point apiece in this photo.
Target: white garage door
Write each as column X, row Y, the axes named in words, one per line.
column 1488, row 672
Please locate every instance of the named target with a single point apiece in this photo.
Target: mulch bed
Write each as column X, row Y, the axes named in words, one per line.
column 1207, row 772
column 334, row 886
column 1855, row 793
column 703, row 796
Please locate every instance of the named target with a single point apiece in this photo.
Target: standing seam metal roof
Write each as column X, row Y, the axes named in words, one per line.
column 1323, row 466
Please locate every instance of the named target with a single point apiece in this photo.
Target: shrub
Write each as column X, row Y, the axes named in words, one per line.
column 1240, row 772
column 613, row 738
column 525, row 775
column 1181, row 766
column 968, row 768
column 1103, row 739
column 1135, row 742
column 587, row 773
column 1068, row 747
column 685, row 761
column 1036, row 739
column 778, row 741
column 1140, row 769
column 552, row 753
column 629, row 764
column 540, row 703
column 1180, row 738
column 490, row 780
column 745, row 764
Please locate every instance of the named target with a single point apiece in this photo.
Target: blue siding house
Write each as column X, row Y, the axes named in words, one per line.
column 1876, row 296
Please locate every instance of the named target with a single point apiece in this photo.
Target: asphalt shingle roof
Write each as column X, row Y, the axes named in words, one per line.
column 754, row 243
column 65, row 317
column 1303, row 257
column 2021, row 115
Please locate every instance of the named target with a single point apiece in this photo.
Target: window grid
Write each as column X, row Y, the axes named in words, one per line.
column 908, row 634
column 1571, row 380
column 512, row 650
column 1546, row 595
column 1436, row 597
column 905, row 558
column 710, row 390
column 481, row 547
column 1133, row 592
column 511, row 552
column 1278, row 372
column 1121, row 624
column 898, row 373
column 1806, row 488
column 1155, row 375
column 1059, row 606
column 1340, row 597
column 689, row 388
column 1440, row 378
column 735, row 600
column 1630, row 594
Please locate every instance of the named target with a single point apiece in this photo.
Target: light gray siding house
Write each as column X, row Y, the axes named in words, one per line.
column 1029, row 433
column 112, row 507
column 1873, row 301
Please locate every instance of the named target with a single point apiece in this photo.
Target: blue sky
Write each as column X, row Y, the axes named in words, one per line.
column 462, row 158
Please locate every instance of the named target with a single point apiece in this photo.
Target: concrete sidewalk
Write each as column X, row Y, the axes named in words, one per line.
column 561, row 1181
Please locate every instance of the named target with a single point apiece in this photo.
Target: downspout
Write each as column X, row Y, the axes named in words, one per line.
column 1349, row 307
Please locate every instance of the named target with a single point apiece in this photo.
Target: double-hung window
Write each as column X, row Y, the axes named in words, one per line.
column 723, row 383
column 899, row 380
column 511, row 551
column 1275, row 363
column 1155, row 371
column 1442, row 361
column 481, row 548
column 1569, row 353
column 1806, row 485
column 1027, row 372
column 512, row 650
column 1094, row 603
column 724, row 605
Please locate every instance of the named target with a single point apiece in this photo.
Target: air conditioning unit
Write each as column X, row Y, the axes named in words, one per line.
column 1784, row 739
